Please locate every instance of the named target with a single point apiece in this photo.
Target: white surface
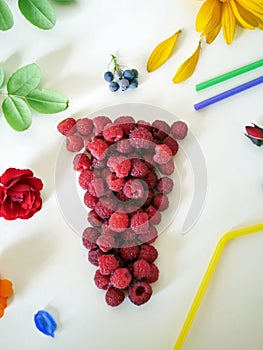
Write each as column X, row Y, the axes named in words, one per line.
column 44, row 258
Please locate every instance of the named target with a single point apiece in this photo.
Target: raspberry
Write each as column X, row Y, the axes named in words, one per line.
column 107, row 264
column 101, row 281
column 94, row 255
column 150, row 179
column 108, row 202
column 103, row 211
column 127, row 123
column 140, row 292
column 179, row 130
column 154, row 215
column 138, row 168
column 105, row 242
column 141, row 138
column 144, row 124
column 74, row 143
column 114, row 296
column 115, row 183
column 128, row 238
column 148, row 253
column 130, row 253
column 98, row 163
column 149, row 198
column 160, row 129
column 118, row 222
column 84, row 126
column 140, row 223
column 85, row 177
column 133, row 188
column 89, row 237
column 97, row 148
column 90, row 201
column 172, row 144
column 81, row 162
column 124, row 146
column 112, row 133
column 141, row 268
column 165, row 185
column 153, row 275
column 96, row 187
column 160, row 201
column 162, row 154
column 99, row 124
column 94, row 219
column 168, row 168
column 67, row 126
column 120, row 165
column 121, row 278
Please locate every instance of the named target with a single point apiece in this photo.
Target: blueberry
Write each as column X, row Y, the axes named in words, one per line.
column 135, row 73
column 118, row 74
column 128, row 74
column 114, row 86
column 124, row 84
column 134, row 84
column 108, row 76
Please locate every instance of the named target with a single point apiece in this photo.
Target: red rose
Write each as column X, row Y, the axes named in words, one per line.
column 19, row 194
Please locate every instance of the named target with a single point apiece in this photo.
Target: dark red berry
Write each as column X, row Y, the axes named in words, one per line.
column 154, row 215
column 141, row 138
column 140, row 292
column 90, row 201
column 148, row 253
column 81, row 162
column 67, row 126
column 141, row 268
column 101, row 281
column 89, row 237
column 112, row 133
column 134, row 189
column 94, row 219
column 85, row 177
column 172, row 144
column 179, row 130
column 97, row 148
column 94, row 255
column 99, row 124
column 160, row 129
column 168, row 168
column 121, row 278
column 165, row 185
column 140, row 222
column 160, row 201
column 130, row 253
column 138, row 168
column 127, row 123
column 103, row 211
column 114, row 296
column 163, row 154
column 106, row 242
column 107, row 264
column 153, row 275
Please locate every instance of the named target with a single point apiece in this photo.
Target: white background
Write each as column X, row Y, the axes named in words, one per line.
column 44, row 257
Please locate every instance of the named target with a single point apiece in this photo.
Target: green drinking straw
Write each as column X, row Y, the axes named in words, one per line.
column 229, row 75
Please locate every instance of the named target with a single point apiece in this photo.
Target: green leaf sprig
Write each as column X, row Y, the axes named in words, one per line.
column 23, row 93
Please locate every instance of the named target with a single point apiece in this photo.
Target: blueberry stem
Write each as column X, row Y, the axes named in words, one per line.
column 114, row 60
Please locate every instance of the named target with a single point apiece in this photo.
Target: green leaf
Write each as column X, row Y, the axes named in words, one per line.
column 38, row 12
column 64, row 1
column 47, row 101
column 6, row 17
column 24, row 80
column 2, row 76
column 17, row 113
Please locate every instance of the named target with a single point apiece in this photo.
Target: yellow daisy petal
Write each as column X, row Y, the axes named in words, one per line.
column 248, row 16
column 205, row 14
column 240, row 16
column 210, row 37
column 255, row 7
column 228, row 23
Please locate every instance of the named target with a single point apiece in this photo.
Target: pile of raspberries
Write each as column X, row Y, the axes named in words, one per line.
column 124, row 168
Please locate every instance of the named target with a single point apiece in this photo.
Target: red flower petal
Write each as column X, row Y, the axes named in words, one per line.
column 254, row 132
column 34, row 182
column 11, row 175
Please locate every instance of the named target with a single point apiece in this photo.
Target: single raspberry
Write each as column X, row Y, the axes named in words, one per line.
column 138, row 168
column 84, row 126
column 151, row 179
column 124, row 146
column 89, row 237
column 101, row 281
column 120, row 165
column 112, row 133
column 99, row 124
column 140, row 292
column 74, row 143
column 141, row 138
column 179, row 130
column 81, row 162
column 153, row 275
column 114, row 296
column 96, row 187
column 141, row 268
column 94, row 219
column 144, row 124
column 165, row 185
column 67, row 126
column 106, row 242
column 115, row 183
column 148, row 253
column 134, row 189
column 94, row 255
column 127, row 123
column 98, row 148
column 162, row 154
column 168, row 168
column 107, row 264
column 121, row 278
column 150, row 236
column 160, row 201
column 160, row 129
column 85, row 177
column 130, row 253
column 172, row 144
column 89, row 200
column 103, row 211
column 154, row 215
column 118, row 222
column 140, row 223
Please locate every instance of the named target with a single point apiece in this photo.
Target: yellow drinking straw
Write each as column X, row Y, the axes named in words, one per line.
column 207, row 277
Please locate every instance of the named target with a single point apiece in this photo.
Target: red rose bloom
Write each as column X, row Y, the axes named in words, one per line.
column 19, row 194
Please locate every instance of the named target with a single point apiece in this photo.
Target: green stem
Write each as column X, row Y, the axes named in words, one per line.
column 114, row 60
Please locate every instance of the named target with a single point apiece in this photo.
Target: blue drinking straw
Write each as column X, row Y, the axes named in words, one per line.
column 228, row 93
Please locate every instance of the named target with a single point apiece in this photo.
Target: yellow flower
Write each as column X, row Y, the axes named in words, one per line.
column 216, row 14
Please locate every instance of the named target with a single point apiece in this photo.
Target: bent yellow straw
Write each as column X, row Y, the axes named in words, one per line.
column 207, row 277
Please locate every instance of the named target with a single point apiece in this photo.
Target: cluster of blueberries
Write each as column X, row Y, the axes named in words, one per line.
column 122, row 79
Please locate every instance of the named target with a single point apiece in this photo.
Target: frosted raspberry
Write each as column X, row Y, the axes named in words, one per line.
column 74, row 143
column 172, row 144
column 99, row 124
column 162, row 154
column 105, row 242
column 85, row 177
column 144, row 124
column 165, row 185
column 160, row 129
column 94, row 219
column 153, row 275
column 141, row 138
column 130, row 253
column 96, row 187
column 160, row 201
column 118, row 222
column 67, row 126
column 98, row 148
column 89, row 237
column 140, row 222
column 112, row 133
column 101, row 281
column 120, row 165
column 81, row 162
column 124, row 146
column 154, row 215
column 115, row 183
column 107, row 264
column 141, row 268
column 148, row 253
column 168, row 168
column 121, row 278
column 150, row 179
column 114, row 296
column 127, row 123
column 94, row 255
column 103, row 211
column 84, row 126
column 90, row 201
column 138, row 168
column 133, row 188
column 179, row 130
column 140, row 292
column 98, row 163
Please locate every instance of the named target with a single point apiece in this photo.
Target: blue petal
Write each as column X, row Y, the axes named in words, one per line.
column 45, row 323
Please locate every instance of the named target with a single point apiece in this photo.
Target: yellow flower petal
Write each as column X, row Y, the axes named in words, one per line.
column 253, row 20
column 255, row 7
column 228, row 23
column 187, row 68
column 161, row 53
column 210, row 37
column 241, row 15
column 207, row 11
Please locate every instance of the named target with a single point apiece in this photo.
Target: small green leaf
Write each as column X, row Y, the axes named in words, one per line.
column 47, row 101
column 39, row 13
column 6, row 17
column 24, row 80
column 2, row 76
column 17, row 113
